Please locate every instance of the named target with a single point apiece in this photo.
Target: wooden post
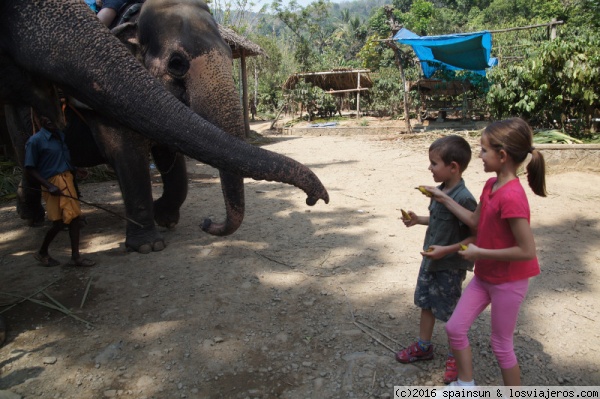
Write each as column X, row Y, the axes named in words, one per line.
column 553, row 29
column 398, row 56
column 255, row 87
column 358, row 97
column 245, row 92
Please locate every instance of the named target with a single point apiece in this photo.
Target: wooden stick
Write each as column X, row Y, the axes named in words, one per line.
column 372, row 336
column 374, row 329
column 85, row 294
column 61, row 309
column 23, row 299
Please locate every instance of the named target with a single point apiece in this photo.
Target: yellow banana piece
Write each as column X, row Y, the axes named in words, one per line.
column 463, row 247
column 424, row 191
column 405, row 214
column 429, row 250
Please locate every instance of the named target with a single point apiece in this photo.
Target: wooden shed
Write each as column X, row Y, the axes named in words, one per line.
column 336, row 81
column 242, row 48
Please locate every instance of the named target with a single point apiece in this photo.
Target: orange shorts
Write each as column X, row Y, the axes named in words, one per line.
column 61, row 207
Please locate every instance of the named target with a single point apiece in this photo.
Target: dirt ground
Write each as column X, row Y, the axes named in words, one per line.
column 301, row 302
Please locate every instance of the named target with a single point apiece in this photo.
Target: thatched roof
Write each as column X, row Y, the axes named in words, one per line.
column 239, row 43
column 440, row 87
column 337, row 79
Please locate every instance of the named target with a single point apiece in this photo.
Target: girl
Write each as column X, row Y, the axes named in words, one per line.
column 504, row 250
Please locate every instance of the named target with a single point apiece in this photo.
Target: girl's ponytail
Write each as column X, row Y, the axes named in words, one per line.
column 536, row 173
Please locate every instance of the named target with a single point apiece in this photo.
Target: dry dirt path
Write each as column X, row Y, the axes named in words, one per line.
column 276, row 310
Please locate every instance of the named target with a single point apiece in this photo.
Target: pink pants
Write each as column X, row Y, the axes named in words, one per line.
column 506, row 301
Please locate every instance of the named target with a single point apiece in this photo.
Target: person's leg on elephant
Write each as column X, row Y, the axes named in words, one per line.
column 173, row 171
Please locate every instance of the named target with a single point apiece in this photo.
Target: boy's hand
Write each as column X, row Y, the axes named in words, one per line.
column 470, row 253
column 53, row 190
column 434, row 252
column 412, row 220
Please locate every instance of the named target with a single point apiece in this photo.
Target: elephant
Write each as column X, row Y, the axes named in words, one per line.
column 165, row 108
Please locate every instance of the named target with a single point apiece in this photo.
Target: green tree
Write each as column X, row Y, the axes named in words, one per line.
column 310, row 28
column 419, row 18
column 235, row 14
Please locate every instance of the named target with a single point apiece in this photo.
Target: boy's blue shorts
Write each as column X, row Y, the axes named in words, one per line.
column 439, row 291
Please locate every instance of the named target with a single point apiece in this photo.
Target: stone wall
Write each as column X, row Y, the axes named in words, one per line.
column 571, row 157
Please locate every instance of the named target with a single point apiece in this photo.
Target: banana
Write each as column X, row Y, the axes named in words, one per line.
column 463, row 247
column 429, row 250
column 424, row 191
column 405, row 214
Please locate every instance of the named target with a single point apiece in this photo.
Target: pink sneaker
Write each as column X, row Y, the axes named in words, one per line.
column 413, row 354
column 451, row 373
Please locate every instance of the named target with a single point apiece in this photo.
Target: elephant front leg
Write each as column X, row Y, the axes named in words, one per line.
column 136, row 187
column 127, row 152
column 171, row 166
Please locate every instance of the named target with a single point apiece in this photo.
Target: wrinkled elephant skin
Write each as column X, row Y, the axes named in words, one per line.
column 62, row 41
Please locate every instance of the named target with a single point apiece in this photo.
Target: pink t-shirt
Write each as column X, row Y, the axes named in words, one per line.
column 509, row 201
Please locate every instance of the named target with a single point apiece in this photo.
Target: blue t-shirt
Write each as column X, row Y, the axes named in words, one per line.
column 49, row 155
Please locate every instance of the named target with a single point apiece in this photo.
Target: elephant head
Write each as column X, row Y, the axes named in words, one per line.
column 179, row 43
column 62, row 41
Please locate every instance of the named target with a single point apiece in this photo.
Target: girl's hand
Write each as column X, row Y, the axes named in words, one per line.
column 412, row 221
column 434, row 252
column 436, row 193
column 470, row 253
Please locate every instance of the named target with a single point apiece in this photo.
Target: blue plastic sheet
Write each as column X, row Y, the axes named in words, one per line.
column 470, row 51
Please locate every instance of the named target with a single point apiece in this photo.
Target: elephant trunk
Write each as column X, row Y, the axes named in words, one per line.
column 90, row 63
column 233, row 194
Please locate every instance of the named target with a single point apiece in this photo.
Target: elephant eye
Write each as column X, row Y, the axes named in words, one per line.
column 178, row 65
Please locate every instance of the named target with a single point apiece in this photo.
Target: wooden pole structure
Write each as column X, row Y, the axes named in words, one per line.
column 358, row 97
column 399, row 60
column 245, row 92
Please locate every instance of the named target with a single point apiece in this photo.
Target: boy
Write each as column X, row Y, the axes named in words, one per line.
column 47, row 160
column 442, row 270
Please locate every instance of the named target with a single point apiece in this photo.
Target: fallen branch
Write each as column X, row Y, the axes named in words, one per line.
column 23, row 299
column 379, row 332
column 85, row 294
column 372, row 336
column 56, row 306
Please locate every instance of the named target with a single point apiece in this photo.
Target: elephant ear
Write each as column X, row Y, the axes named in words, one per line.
column 127, row 34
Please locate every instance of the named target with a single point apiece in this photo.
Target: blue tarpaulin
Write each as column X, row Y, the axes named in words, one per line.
column 471, row 51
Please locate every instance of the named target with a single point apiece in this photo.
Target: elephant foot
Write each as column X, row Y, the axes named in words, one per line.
column 165, row 215
column 149, row 242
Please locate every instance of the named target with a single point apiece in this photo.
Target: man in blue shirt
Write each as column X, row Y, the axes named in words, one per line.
column 47, row 160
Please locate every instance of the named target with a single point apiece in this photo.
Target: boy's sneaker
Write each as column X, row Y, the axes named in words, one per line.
column 451, row 373
column 414, row 353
